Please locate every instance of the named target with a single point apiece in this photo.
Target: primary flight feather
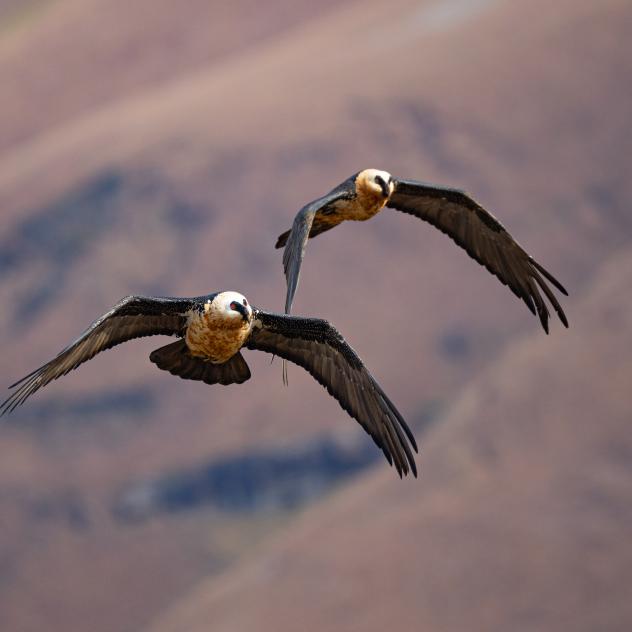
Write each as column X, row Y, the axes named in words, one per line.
column 452, row 211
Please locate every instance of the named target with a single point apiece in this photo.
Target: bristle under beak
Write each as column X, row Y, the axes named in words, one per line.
column 243, row 310
column 385, row 186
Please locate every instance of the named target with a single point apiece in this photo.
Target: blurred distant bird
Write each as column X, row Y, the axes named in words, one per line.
column 213, row 330
column 452, row 211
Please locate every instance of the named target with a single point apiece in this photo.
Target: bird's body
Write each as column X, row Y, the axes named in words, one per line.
column 213, row 336
column 355, row 199
column 452, row 211
column 363, row 205
column 212, row 331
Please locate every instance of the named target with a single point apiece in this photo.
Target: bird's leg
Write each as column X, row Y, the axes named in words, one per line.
column 285, row 380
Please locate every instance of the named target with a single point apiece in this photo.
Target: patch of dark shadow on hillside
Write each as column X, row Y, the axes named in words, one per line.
column 61, row 233
column 455, row 344
column 609, row 195
column 249, row 482
column 260, row 481
column 67, row 508
column 52, row 412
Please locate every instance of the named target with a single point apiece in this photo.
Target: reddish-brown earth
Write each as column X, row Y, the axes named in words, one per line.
column 521, row 519
column 161, row 149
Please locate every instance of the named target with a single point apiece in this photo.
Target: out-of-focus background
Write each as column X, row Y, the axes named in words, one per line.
column 159, row 147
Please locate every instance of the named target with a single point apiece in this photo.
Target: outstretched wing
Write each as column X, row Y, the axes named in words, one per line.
column 484, row 238
column 319, row 348
column 308, row 222
column 131, row 317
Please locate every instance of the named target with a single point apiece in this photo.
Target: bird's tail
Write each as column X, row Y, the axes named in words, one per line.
column 177, row 359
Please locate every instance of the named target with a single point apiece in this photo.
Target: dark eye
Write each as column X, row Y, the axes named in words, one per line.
column 233, row 306
column 245, row 303
column 379, row 180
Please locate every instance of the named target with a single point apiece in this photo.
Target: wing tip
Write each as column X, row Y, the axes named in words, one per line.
column 413, row 468
column 544, row 320
column 406, row 467
column 414, row 443
column 562, row 316
column 26, row 377
column 549, row 276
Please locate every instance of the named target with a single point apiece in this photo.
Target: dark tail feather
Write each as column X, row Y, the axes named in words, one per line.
column 282, row 240
column 176, row 359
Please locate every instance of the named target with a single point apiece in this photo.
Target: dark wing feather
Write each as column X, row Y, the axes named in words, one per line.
column 484, row 238
column 319, row 348
column 303, row 228
column 131, row 317
column 320, row 224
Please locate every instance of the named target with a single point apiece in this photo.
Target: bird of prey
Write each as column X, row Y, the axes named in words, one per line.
column 452, row 211
column 212, row 331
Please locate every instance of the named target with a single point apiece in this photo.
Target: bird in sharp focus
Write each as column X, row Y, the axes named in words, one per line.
column 212, row 331
column 452, row 211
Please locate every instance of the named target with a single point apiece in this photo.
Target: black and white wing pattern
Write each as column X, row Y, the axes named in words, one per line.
column 132, row 317
column 312, row 220
column 484, row 238
column 319, row 348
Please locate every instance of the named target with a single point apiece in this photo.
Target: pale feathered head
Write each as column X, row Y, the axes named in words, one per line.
column 232, row 305
column 376, row 181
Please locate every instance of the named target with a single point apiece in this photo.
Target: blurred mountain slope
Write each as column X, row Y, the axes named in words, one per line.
column 172, row 171
column 61, row 58
column 520, row 520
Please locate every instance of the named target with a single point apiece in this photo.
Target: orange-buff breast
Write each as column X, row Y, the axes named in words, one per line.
column 215, row 338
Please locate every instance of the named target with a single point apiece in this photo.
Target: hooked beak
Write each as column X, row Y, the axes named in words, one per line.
column 386, row 187
column 243, row 310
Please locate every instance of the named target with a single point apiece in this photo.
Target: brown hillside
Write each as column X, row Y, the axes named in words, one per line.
column 520, row 521
column 61, row 59
column 167, row 162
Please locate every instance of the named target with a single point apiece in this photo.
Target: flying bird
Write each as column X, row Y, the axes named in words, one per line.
column 212, row 331
column 452, row 211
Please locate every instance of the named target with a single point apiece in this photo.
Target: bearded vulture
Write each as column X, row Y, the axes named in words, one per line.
column 212, row 331
column 452, row 211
